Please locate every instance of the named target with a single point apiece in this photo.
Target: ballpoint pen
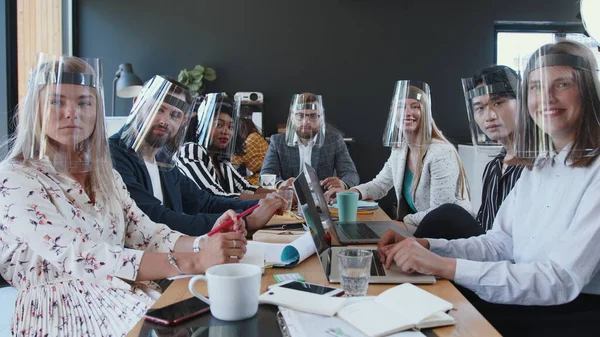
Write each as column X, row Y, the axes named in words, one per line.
column 230, row 221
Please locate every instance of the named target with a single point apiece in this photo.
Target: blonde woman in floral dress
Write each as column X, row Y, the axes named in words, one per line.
column 73, row 243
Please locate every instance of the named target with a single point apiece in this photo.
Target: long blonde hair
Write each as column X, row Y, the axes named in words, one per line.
column 27, row 141
column 423, row 140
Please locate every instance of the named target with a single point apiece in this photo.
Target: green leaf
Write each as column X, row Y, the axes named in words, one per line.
column 199, row 68
column 195, row 73
column 210, row 74
column 194, row 86
column 197, row 79
column 182, row 77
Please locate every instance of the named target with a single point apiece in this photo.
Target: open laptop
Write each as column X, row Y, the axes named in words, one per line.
column 328, row 254
column 358, row 232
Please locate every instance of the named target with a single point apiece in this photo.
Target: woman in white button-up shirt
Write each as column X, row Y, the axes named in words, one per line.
column 544, row 248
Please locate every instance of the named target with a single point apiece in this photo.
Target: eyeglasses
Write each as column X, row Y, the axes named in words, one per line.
column 300, row 116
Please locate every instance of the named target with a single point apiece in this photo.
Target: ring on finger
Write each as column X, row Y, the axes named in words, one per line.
column 234, row 244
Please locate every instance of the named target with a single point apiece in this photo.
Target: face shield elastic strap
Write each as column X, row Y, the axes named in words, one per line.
column 495, row 88
column 176, row 102
column 87, row 80
column 559, row 60
column 418, row 84
column 415, row 95
column 306, row 107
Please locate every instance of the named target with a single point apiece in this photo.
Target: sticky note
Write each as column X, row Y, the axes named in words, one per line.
column 289, row 277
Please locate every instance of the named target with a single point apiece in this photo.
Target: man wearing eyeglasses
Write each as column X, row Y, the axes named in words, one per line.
column 308, row 140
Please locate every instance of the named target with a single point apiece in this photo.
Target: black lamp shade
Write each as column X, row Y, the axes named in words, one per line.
column 128, row 84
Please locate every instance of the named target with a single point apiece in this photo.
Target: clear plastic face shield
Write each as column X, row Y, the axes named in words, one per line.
column 491, row 101
column 410, row 119
column 63, row 112
column 560, row 103
column 216, row 129
column 156, row 126
column 306, row 121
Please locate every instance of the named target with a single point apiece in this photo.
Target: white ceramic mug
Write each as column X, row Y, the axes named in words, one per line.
column 268, row 180
column 233, row 290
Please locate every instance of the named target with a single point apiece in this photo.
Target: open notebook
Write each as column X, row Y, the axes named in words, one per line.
column 397, row 309
column 403, row 307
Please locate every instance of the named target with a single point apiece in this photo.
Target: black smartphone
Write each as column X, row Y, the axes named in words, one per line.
column 177, row 312
column 311, row 288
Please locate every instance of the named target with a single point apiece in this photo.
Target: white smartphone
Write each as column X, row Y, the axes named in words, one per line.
column 310, row 287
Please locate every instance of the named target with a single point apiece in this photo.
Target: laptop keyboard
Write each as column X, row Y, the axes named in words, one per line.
column 376, row 265
column 357, row 231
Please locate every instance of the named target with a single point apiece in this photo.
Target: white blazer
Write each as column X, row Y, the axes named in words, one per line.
column 438, row 184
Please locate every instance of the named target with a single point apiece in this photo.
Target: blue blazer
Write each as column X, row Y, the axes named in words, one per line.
column 186, row 208
column 330, row 160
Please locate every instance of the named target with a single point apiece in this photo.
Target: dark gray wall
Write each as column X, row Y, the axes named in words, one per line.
column 349, row 51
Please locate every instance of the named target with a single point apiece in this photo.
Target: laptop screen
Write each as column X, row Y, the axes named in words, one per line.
column 317, row 194
column 309, row 209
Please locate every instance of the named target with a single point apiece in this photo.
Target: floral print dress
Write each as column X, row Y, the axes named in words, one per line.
column 68, row 257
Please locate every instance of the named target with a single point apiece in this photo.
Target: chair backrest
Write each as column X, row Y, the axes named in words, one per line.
column 114, row 124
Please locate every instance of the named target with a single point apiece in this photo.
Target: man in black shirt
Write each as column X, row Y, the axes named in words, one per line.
column 491, row 99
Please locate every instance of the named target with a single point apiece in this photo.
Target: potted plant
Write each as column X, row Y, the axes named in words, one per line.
column 193, row 79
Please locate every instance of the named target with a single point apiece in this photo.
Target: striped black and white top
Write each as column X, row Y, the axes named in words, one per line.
column 496, row 186
column 196, row 163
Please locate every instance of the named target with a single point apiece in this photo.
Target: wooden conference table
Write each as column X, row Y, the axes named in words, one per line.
column 469, row 322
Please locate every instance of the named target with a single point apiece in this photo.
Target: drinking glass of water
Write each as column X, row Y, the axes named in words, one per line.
column 355, row 270
column 288, row 195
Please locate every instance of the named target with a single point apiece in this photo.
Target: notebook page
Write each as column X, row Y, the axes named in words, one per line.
column 302, row 324
column 435, row 320
column 373, row 319
column 412, row 302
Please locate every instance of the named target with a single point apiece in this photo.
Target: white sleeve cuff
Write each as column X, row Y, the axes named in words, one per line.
column 438, row 246
column 361, row 191
column 408, row 220
column 467, row 273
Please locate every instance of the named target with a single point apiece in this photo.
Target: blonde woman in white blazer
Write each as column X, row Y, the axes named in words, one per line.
column 438, row 176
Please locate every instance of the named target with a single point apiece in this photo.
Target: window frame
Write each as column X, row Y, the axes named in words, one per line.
column 557, row 28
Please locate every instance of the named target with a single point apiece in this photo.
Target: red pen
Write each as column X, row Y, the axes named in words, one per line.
column 230, row 222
